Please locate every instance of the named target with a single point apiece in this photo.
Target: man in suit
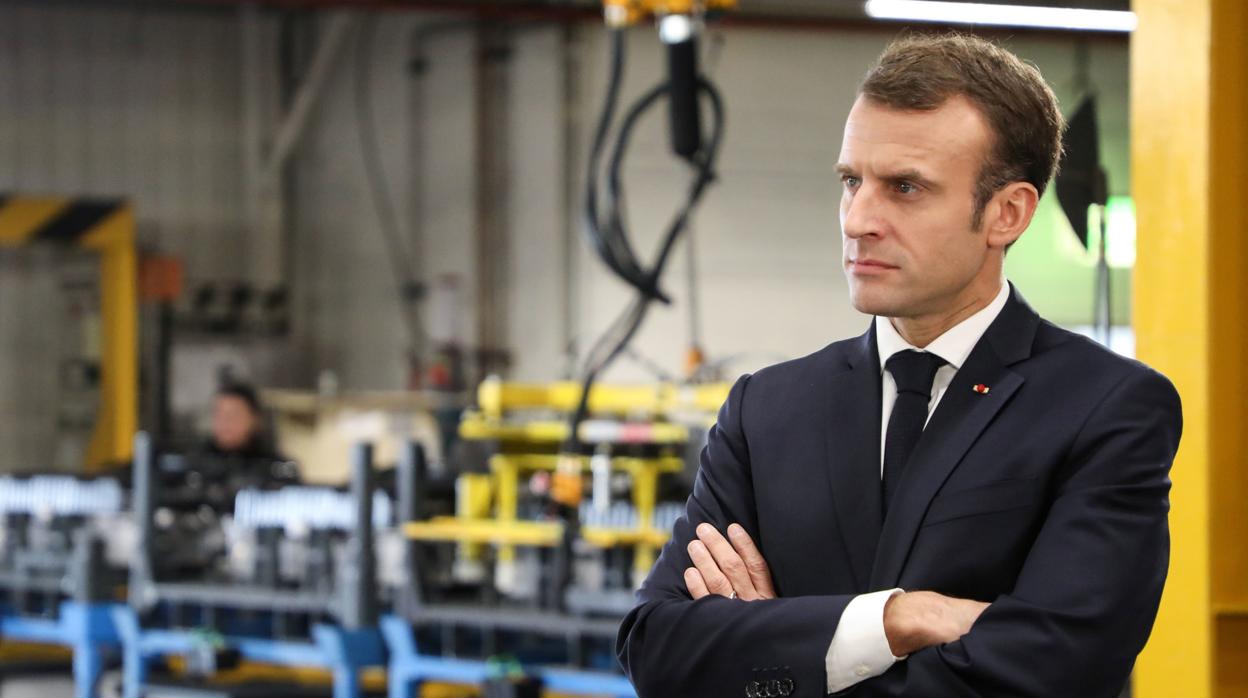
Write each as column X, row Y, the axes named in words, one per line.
column 964, row 501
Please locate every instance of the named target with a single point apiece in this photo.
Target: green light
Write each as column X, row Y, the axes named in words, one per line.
column 1120, row 232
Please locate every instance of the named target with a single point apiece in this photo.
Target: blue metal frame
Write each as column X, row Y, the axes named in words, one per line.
column 409, row 669
column 344, row 652
column 86, row 628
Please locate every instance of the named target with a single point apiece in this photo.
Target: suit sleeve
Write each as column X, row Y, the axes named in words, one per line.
column 671, row 645
column 1088, row 593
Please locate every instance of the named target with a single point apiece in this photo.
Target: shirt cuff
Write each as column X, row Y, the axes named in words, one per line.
column 859, row 648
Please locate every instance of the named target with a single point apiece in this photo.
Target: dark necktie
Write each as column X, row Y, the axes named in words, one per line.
column 913, row 372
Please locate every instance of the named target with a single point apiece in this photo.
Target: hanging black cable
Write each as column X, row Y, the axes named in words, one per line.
column 608, row 246
column 609, row 237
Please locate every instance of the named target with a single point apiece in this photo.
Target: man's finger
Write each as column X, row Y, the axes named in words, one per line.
column 715, row 580
column 695, row 584
column 755, row 563
column 728, row 561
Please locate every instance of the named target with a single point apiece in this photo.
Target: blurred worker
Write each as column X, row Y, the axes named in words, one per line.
column 239, row 438
column 966, row 500
column 237, row 423
column 238, row 454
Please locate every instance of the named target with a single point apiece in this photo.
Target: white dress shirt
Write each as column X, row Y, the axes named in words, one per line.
column 859, row 648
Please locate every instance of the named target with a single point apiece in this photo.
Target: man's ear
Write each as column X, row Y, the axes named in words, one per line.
column 1009, row 212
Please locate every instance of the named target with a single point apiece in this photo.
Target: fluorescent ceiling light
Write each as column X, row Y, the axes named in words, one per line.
column 1002, row 15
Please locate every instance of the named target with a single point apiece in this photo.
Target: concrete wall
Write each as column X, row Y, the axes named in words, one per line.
column 766, row 237
column 109, row 100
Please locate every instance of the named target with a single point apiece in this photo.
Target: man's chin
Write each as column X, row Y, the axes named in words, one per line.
column 874, row 304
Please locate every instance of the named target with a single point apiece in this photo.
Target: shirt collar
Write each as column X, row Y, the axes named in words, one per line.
column 954, row 345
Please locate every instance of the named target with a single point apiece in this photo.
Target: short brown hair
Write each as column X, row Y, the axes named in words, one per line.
column 921, row 72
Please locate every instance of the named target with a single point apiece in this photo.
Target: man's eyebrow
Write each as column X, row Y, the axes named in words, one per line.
column 908, row 175
column 911, row 175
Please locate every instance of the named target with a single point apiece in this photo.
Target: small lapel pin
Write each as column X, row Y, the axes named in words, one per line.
column 981, row 388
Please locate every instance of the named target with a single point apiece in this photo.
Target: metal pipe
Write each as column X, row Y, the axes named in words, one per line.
column 359, row 578
column 144, row 482
column 410, row 477
column 291, row 128
column 491, row 82
column 569, row 309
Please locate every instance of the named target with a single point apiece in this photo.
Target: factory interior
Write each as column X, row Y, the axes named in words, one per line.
column 370, row 347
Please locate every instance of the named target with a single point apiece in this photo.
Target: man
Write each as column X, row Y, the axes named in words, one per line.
column 237, row 454
column 238, row 424
column 964, row 501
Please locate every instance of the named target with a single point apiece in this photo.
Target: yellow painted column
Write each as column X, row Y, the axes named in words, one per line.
column 1189, row 166
column 118, row 417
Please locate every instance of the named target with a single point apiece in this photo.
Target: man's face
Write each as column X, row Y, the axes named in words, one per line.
column 233, row 422
column 906, row 207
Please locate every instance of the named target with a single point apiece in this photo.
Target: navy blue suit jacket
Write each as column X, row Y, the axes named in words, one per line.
column 1046, row 497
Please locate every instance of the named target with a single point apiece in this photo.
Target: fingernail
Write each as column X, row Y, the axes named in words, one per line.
column 703, row 529
column 735, row 530
column 694, row 546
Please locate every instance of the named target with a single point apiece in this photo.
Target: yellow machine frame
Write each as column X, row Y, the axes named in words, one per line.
column 494, row 397
column 475, row 525
column 487, row 506
column 106, row 227
column 627, row 12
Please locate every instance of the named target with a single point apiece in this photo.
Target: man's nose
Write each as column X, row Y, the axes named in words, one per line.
column 862, row 214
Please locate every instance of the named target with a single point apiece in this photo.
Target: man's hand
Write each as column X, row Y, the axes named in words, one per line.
column 735, row 570
column 919, row 619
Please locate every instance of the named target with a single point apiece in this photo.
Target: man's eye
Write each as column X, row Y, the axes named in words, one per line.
column 906, row 188
column 850, row 181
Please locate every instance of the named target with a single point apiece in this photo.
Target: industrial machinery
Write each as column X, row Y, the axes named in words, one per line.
column 520, row 564
column 222, row 577
column 57, row 583
column 487, row 580
column 298, row 586
column 458, row 600
column 67, row 544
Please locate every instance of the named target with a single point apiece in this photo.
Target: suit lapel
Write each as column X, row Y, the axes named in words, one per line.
column 852, row 416
column 959, row 419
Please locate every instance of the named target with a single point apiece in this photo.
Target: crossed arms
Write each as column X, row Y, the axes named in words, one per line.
column 1080, row 611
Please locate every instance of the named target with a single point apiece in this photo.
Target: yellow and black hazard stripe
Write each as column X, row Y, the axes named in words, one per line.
column 27, row 220
column 105, row 226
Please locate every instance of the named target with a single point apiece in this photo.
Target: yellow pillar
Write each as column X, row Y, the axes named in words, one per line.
column 118, row 417
column 1189, row 165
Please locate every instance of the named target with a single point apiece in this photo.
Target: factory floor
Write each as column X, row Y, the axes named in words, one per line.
column 37, row 687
